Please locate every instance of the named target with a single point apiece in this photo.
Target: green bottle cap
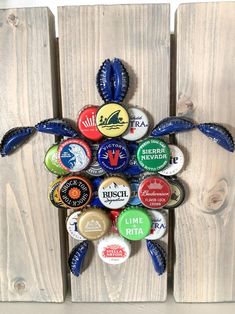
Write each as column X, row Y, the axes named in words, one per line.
column 153, row 154
column 51, row 161
column 134, row 223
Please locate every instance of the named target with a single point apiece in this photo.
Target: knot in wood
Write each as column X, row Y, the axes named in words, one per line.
column 13, row 20
column 184, row 106
column 216, row 197
column 19, row 285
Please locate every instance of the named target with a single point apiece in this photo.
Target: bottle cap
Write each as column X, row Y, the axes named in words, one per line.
column 134, row 200
column 139, row 124
column 53, row 194
column 93, row 223
column 114, row 192
column 51, row 161
column 158, row 225
column 134, row 223
column 133, row 168
column 176, row 161
column 95, row 198
column 74, row 155
column 153, row 154
column 75, row 191
column 113, row 155
column 87, row 123
column 112, row 119
column 94, row 169
column 72, row 228
column 154, row 192
column 178, row 194
column 113, row 249
column 114, row 214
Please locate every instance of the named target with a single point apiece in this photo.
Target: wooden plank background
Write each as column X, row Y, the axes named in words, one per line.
column 140, row 36
column 205, row 225
column 31, row 267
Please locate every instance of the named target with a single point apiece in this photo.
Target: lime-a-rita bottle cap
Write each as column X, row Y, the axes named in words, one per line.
column 153, row 154
column 52, row 163
column 134, row 223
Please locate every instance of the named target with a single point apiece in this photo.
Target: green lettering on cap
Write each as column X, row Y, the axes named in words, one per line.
column 153, row 154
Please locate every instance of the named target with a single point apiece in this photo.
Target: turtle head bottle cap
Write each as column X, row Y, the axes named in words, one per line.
column 134, row 223
column 112, row 119
column 93, row 223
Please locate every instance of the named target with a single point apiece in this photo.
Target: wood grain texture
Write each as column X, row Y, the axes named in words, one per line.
column 140, row 36
column 30, row 253
column 205, row 224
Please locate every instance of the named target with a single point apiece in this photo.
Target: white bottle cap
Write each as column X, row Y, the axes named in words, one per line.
column 158, row 225
column 176, row 162
column 71, row 226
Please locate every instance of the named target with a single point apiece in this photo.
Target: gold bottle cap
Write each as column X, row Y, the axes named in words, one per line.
column 93, row 223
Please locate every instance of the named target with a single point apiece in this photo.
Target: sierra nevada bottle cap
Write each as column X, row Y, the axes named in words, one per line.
column 53, row 194
column 134, row 223
column 74, row 154
column 154, row 192
column 177, row 195
column 52, row 163
column 138, row 126
column 153, row 154
column 114, row 192
column 87, row 123
column 72, row 227
column 75, row 191
column 158, row 225
column 114, row 249
column 94, row 169
column 112, row 119
column 93, row 223
column 176, row 161
column 113, row 155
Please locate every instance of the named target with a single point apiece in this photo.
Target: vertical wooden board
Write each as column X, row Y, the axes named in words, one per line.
column 140, row 36
column 205, row 225
column 30, row 254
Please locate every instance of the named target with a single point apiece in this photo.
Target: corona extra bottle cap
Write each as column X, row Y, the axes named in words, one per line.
column 176, row 161
column 52, row 163
column 93, row 223
column 114, row 249
column 158, row 228
column 153, row 154
column 113, row 155
column 75, row 191
column 114, row 192
column 112, row 119
column 87, row 123
column 72, row 228
column 154, row 192
column 139, row 124
column 74, row 155
column 134, row 223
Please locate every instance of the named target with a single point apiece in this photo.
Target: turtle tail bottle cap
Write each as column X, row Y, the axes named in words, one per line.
column 87, row 123
column 112, row 119
column 134, row 223
column 153, row 154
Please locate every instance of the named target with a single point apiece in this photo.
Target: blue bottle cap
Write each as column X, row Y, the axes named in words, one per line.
column 95, row 199
column 113, row 155
column 134, row 200
column 133, row 168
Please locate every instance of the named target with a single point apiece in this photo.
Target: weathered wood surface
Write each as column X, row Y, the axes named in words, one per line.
column 140, row 36
column 205, row 225
column 30, row 253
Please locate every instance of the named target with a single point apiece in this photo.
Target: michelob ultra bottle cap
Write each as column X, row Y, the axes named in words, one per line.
column 114, row 249
column 52, row 163
column 176, row 161
column 153, row 154
column 177, row 195
column 113, row 155
column 74, row 155
column 54, row 195
column 114, row 192
column 112, row 119
column 154, row 192
column 87, row 123
column 134, row 223
column 72, row 226
column 139, row 124
column 75, row 191
column 94, row 169
column 93, row 223
column 158, row 225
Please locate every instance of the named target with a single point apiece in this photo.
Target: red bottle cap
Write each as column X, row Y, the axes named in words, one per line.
column 154, row 192
column 87, row 123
